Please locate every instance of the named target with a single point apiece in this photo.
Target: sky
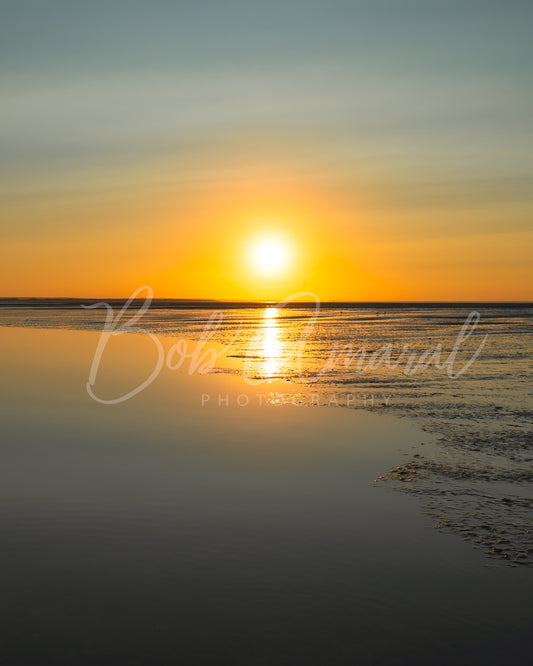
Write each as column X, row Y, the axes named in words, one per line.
column 386, row 144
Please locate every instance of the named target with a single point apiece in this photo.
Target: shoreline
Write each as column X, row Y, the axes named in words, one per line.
column 256, row 517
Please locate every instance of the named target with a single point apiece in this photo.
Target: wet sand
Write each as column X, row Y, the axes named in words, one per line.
column 160, row 531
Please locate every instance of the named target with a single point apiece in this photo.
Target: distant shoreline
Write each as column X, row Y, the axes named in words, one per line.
column 210, row 304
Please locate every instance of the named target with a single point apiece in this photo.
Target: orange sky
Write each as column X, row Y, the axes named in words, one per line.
column 193, row 242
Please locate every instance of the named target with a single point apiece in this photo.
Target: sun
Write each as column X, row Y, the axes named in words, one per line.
column 269, row 255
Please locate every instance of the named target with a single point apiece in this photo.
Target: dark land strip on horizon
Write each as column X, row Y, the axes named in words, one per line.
column 209, row 304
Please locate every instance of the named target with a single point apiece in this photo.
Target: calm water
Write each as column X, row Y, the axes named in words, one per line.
column 483, row 418
column 267, row 337
column 494, row 393
column 158, row 532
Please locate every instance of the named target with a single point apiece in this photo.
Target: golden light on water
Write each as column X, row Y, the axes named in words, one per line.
column 270, row 313
column 271, row 343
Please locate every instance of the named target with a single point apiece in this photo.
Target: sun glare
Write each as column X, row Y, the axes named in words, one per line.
column 269, row 256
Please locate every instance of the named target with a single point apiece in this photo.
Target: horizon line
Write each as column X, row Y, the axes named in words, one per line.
column 4, row 300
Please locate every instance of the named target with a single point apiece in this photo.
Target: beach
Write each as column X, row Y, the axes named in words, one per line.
column 163, row 530
column 266, row 333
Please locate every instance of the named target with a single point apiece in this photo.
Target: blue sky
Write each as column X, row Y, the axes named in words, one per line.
column 79, row 74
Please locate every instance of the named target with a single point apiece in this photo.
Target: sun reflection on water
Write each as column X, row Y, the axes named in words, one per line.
column 270, row 343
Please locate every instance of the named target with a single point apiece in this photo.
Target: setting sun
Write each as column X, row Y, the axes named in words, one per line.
column 269, row 255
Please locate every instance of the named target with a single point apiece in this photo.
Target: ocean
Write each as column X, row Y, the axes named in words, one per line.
column 342, row 484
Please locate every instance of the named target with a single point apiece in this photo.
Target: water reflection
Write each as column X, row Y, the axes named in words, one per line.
column 270, row 343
